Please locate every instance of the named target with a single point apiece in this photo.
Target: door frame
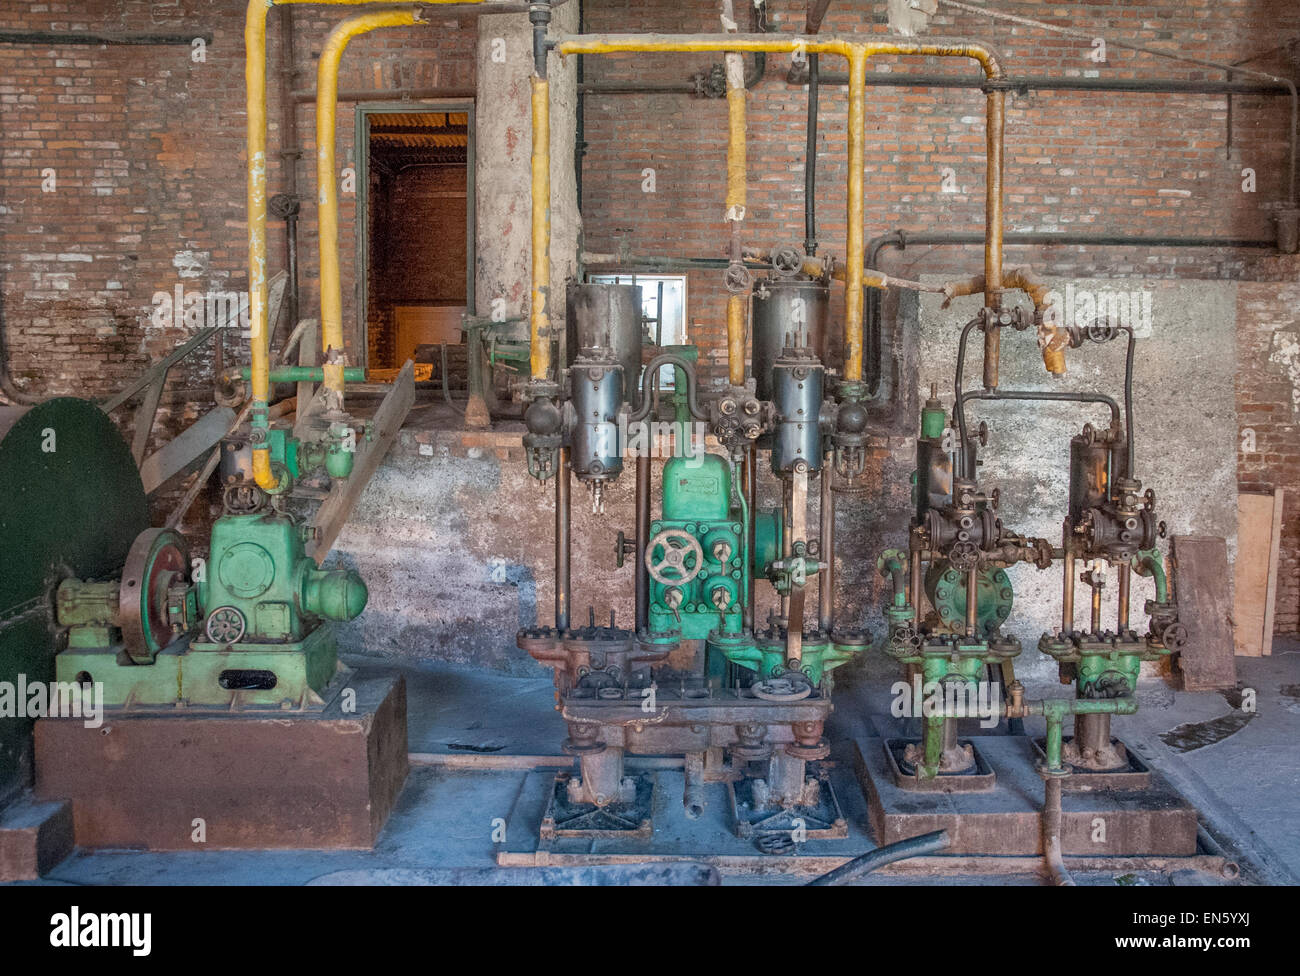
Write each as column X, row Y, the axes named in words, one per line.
column 362, row 143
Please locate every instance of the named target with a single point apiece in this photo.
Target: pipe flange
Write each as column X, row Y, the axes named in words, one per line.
column 809, row 753
column 788, row 687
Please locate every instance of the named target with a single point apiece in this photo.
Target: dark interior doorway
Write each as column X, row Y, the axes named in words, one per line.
column 418, row 247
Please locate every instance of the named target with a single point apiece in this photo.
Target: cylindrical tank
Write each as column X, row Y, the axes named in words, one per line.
column 787, row 312
column 606, row 317
column 1093, row 463
column 797, row 383
column 596, row 392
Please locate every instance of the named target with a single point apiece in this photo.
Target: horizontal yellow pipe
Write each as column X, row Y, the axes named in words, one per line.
column 540, row 314
column 776, row 44
column 857, row 52
column 327, row 88
column 258, row 286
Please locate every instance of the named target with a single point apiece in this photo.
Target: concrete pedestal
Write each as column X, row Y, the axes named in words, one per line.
column 1005, row 819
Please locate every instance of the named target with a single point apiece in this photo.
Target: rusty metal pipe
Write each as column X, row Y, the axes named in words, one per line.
column 826, row 581
column 1125, row 583
column 563, row 512
column 972, row 602
column 1067, row 592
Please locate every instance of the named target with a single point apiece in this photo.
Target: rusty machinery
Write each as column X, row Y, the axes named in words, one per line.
column 959, row 544
column 696, row 676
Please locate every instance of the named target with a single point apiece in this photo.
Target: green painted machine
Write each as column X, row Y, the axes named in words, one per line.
column 247, row 626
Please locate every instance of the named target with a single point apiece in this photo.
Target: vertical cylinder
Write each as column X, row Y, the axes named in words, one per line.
column 1092, row 733
column 797, row 384
column 605, row 317
column 786, row 313
column 995, row 121
column 749, row 477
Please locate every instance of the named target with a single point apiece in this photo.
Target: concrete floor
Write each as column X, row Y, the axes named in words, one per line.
column 1242, row 771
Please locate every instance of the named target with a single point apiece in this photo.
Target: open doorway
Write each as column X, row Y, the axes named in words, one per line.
column 417, row 252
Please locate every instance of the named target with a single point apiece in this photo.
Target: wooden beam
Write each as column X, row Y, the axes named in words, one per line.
column 183, row 450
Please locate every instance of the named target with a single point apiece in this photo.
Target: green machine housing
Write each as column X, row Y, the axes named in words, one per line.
column 706, row 594
column 251, row 627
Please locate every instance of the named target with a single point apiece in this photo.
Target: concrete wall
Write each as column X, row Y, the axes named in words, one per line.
column 1185, row 437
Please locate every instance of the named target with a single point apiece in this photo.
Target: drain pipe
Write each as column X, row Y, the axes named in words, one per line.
column 1051, row 830
column 858, row 867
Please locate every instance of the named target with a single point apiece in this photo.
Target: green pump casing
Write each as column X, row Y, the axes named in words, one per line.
column 257, row 564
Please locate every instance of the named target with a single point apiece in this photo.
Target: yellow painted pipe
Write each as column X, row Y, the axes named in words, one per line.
column 540, row 313
column 258, row 285
column 736, row 340
column 855, row 232
column 857, row 52
column 327, row 88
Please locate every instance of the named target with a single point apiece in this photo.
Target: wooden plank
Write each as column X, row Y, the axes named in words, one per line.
column 308, row 355
column 1274, row 555
column 183, row 450
column 1200, row 570
column 144, row 418
column 1254, row 529
column 334, row 511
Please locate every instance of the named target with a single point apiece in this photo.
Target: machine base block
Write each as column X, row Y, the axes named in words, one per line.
column 979, row 778
column 1155, row 821
column 1136, row 776
column 566, row 819
column 823, row 821
column 316, row 780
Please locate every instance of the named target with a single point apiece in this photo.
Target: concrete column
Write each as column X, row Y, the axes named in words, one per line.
column 503, row 133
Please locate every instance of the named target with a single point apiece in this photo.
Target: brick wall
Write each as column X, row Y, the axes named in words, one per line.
column 1151, row 164
column 146, row 145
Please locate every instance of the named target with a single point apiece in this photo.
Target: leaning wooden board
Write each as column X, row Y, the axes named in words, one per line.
column 1200, row 572
column 1258, row 537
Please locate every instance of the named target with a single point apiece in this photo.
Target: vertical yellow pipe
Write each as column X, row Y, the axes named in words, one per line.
column 540, row 318
column 259, row 340
column 854, row 240
column 737, row 171
column 327, row 88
